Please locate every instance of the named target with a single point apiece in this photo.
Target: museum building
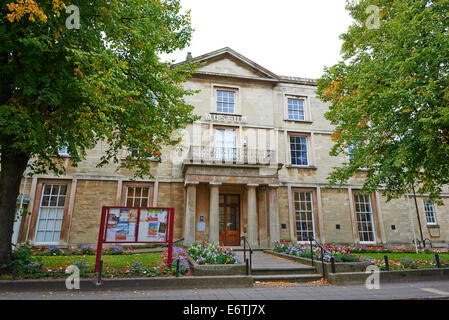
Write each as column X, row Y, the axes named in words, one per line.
column 254, row 165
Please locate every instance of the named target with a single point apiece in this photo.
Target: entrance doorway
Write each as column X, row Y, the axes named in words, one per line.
column 229, row 215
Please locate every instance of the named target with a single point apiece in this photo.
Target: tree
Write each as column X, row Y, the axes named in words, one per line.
column 69, row 85
column 389, row 97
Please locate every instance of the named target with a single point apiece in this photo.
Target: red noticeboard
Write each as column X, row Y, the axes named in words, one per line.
column 135, row 225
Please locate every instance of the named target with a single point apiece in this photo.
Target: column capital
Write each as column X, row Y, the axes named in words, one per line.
column 273, row 186
column 186, row 183
column 213, row 183
column 252, row 185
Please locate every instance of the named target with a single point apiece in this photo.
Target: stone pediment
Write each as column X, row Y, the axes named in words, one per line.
column 229, row 62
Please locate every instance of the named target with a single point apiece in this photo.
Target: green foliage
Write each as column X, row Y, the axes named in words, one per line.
column 101, row 82
column 389, row 96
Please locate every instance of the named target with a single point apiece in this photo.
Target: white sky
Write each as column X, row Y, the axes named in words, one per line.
column 288, row 37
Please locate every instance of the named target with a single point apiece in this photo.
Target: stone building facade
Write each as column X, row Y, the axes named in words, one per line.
column 254, row 165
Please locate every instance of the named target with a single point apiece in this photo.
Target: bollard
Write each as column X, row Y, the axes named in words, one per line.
column 100, row 272
column 437, row 258
column 177, row 268
column 333, row 264
column 387, row 266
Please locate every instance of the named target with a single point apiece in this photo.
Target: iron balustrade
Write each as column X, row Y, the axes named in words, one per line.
column 231, row 155
column 245, row 242
column 322, row 251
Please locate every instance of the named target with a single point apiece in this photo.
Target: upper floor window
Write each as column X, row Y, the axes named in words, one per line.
column 63, row 151
column 225, row 101
column 298, row 150
column 429, row 208
column 296, row 109
column 351, row 150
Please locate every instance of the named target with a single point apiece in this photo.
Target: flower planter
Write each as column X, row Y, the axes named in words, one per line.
column 216, row 269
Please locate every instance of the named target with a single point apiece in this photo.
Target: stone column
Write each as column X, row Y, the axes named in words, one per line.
column 253, row 228
column 214, row 219
column 189, row 227
column 275, row 233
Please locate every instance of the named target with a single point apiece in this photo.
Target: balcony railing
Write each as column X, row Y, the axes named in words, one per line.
column 231, row 155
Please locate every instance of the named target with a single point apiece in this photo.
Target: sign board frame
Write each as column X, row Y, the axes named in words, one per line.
column 102, row 234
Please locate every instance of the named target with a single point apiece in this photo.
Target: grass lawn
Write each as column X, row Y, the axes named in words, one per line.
column 399, row 256
column 114, row 261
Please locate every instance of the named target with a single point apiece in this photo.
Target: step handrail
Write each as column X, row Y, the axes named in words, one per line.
column 322, row 250
column 245, row 241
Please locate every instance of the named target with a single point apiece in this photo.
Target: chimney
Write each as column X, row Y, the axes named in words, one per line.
column 189, row 56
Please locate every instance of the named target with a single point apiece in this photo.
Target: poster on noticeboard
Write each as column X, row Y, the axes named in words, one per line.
column 121, row 225
column 153, row 225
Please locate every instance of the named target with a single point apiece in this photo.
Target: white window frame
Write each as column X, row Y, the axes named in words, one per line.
column 433, row 212
column 371, row 214
column 63, row 151
column 56, row 207
column 290, row 150
column 224, row 87
column 134, row 197
column 307, row 107
column 312, row 211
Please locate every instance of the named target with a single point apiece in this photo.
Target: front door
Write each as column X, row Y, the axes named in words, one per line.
column 229, row 212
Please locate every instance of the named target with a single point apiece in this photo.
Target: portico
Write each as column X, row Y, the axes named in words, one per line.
column 225, row 202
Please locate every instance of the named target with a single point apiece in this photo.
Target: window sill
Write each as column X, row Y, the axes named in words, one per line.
column 433, row 226
column 226, row 113
column 301, row 121
column 64, row 155
column 301, row 167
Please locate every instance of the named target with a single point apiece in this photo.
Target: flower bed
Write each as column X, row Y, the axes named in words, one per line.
column 340, row 253
column 209, row 254
column 357, row 254
column 34, row 266
column 386, row 249
column 81, row 251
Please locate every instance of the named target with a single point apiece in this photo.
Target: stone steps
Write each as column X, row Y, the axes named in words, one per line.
column 287, row 278
column 262, row 271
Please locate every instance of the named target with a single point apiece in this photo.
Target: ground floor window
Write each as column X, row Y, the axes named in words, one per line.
column 137, row 196
column 365, row 219
column 51, row 213
column 304, row 215
column 429, row 208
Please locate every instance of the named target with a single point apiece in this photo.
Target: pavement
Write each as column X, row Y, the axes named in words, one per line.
column 290, row 291
column 264, row 260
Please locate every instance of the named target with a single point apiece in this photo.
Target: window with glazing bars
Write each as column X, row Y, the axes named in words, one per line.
column 365, row 220
column 298, row 150
column 225, row 101
column 137, row 196
column 304, row 215
column 51, row 213
column 295, row 109
column 429, row 208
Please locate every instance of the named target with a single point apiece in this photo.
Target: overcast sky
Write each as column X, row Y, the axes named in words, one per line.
column 288, row 37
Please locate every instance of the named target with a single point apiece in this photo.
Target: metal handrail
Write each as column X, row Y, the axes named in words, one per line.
column 322, row 249
column 424, row 243
column 245, row 241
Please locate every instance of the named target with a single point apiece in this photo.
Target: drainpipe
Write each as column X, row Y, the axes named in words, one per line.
column 18, row 220
column 417, row 213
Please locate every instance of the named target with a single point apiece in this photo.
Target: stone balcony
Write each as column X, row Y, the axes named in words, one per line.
column 231, row 165
column 206, row 154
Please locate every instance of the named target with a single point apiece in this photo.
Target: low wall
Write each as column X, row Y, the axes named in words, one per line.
column 339, row 266
column 414, row 275
column 216, row 269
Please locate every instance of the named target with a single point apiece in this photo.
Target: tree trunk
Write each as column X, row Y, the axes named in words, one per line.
column 12, row 168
